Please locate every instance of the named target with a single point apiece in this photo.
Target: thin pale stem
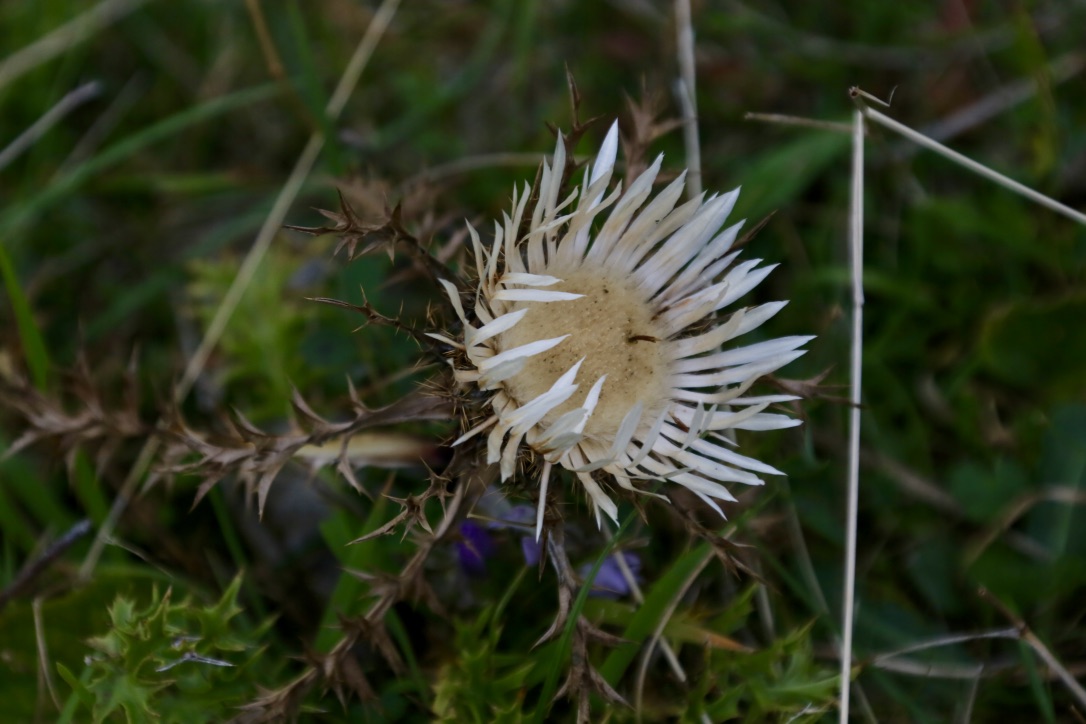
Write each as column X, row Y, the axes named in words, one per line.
column 1039, row 647
column 786, row 120
column 121, row 103
column 686, row 88
column 120, row 502
column 639, row 598
column 977, row 168
column 1001, row 100
column 941, row 641
column 45, row 667
column 974, row 687
column 1055, row 666
column 856, row 228
column 67, row 104
column 250, row 264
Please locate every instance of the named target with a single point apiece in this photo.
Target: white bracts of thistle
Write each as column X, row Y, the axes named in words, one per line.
column 601, row 338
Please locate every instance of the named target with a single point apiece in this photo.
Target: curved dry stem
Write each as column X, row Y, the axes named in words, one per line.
column 1016, row 510
column 658, row 633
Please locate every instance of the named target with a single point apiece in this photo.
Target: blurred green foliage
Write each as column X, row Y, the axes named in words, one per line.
column 174, row 662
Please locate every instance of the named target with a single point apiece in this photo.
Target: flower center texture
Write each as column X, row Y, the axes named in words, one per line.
column 600, row 337
column 613, row 328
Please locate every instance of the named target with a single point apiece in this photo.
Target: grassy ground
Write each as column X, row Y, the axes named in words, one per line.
column 126, row 217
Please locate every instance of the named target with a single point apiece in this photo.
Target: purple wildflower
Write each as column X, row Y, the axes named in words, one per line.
column 609, row 582
column 520, row 517
column 474, row 548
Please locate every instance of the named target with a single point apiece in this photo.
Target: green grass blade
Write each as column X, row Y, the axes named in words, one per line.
column 310, row 88
column 16, row 530
column 1036, row 684
column 648, row 616
column 37, row 358
column 34, row 493
column 89, row 490
column 338, row 530
column 414, row 676
column 64, row 186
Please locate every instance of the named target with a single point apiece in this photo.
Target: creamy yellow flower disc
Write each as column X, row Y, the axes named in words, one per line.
column 600, row 334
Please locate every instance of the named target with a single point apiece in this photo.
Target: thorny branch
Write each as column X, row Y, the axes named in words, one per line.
column 582, row 679
column 339, row 670
column 359, row 238
column 257, row 457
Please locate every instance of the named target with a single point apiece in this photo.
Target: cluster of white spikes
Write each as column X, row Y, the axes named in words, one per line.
column 614, row 304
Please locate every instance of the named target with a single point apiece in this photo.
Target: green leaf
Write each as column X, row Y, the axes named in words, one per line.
column 1062, row 525
column 657, row 602
column 1038, row 345
column 173, row 661
column 79, row 689
column 338, row 530
column 984, row 493
column 37, row 358
column 778, row 177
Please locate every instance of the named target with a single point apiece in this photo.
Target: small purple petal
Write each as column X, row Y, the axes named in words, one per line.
column 474, row 548
column 610, row 583
column 515, row 517
column 532, row 550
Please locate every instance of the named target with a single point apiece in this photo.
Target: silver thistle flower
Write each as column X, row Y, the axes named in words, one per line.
column 601, row 343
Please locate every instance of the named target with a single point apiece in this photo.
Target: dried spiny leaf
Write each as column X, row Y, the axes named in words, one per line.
column 583, row 679
column 302, row 408
column 248, row 431
column 595, row 634
column 47, row 417
column 346, row 469
column 340, row 671
column 753, row 231
column 724, row 548
column 376, row 634
column 577, row 127
column 349, row 678
column 810, row 388
column 374, row 317
column 567, row 583
column 277, row 705
column 360, row 238
column 256, row 457
column 408, row 585
column 351, row 230
column 412, row 513
column 645, row 128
